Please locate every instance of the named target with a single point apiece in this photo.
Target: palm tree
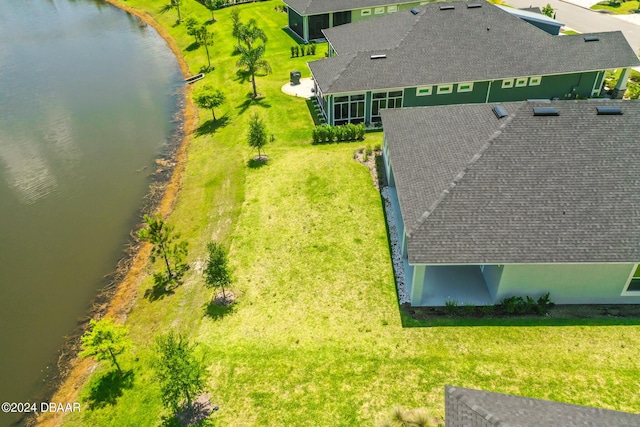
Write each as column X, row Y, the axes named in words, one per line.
column 251, row 59
column 173, row 4
column 250, row 32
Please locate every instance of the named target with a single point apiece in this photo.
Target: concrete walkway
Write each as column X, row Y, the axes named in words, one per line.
column 303, row 90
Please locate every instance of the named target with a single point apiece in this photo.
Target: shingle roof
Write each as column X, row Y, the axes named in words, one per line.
column 431, row 48
column 522, row 189
column 313, row 7
column 464, row 406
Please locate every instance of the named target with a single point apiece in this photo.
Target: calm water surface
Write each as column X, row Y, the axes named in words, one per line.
column 88, row 99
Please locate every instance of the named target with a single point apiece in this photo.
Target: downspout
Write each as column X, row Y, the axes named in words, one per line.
column 486, row 101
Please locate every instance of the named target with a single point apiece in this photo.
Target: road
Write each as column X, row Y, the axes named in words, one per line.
column 584, row 20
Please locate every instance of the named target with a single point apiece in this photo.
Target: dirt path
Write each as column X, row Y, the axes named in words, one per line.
column 125, row 295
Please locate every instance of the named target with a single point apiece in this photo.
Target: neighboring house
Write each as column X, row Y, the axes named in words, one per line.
column 466, row 407
column 464, row 53
column 528, row 203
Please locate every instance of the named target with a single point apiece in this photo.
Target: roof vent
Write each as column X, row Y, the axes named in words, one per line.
column 545, row 111
column 499, row 111
column 591, row 38
column 415, row 11
column 609, row 111
column 447, row 7
column 473, row 5
column 378, row 56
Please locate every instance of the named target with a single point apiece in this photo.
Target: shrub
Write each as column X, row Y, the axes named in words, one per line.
column 313, row 49
column 469, row 308
column 331, row 133
column 369, row 150
column 315, row 135
column 308, row 50
column 544, row 302
column 451, row 306
column 297, row 51
column 322, row 133
column 360, row 131
column 527, row 305
column 293, row 51
column 488, row 309
column 340, row 133
column 301, row 50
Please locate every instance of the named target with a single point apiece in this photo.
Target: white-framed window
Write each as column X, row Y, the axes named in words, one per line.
column 378, row 10
column 465, row 87
column 424, row 90
column 633, row 287
column 535, row 80
column 507, row 83
column 365, row 12
column 348, row 109
column 392, row 9
column 521, row 81
column 382, row 100
column 444, row 89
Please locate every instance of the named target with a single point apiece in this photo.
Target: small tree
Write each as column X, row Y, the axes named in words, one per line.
column 178, row 371
column 165, row 245
column 209, row 98
column 548, row 10
column 213, row 5
column 251, row 59
column 217, row 273
column 206, row 38
column 105, row 340
column 257, row 137
column 248, row 33
column 173, row 4
column 193, row 28
column 237, row 25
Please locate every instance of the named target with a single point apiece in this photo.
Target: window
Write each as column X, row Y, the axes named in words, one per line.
column 424, row 91
column 634, row 285
column 348, row 109
column 378, row 10
column 392, row 9
column 365, row 12
column 535, row 80
column 507, row 83
column 465, row 87
column 522, row 81
column 444, row 89
column 382, row 100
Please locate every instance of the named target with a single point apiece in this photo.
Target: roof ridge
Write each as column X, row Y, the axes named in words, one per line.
column 470, row 403
column 460, row 176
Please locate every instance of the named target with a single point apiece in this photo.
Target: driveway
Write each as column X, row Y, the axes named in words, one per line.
column 588, row 21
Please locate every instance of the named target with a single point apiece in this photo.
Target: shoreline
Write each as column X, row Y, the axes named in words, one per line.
column 121, row 298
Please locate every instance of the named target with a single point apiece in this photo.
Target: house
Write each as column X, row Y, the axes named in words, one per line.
column 466, row 407
column 458, row 53
column 517, row 199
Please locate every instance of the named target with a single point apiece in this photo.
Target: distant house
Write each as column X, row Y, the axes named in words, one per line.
column 524, row 199
column 457, row 53
column 466, row 407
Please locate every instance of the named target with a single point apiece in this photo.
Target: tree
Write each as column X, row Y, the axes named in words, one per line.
column 216, row 272
column 237, row 25
column 165, row 245
column 178, row 371
column 213, row 5
column 251, row 59
column 173, row 4
column 105, row 340
column 206, row 38
column 249, row 33
column 548, row 10
column 257, row 137
column 209, row 98
column 193, row 28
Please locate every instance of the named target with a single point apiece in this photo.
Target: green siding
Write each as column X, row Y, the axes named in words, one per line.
column 477, row 95
column 568, row 283
column 357, row 16
column 563, row 86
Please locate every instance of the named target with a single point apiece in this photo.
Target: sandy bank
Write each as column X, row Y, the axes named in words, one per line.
column 125, row 293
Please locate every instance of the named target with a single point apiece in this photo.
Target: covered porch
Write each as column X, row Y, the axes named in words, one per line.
column 433, row 285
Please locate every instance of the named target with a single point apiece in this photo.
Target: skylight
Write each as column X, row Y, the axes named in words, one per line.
column 378, row 56
column 415, row 11
column 473, row 5
column 609, row 111
column 499, row 111
column 591, row 38
column 447, row 7
column 545, row 111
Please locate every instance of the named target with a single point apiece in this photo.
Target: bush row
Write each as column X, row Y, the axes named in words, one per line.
column 509, row 306
column 328, row 133
column 303, row 50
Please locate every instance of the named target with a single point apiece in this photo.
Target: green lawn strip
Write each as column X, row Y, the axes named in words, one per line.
column 315, row 337
column 622, row 8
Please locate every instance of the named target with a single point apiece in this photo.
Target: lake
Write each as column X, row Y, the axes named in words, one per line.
column 89, row 98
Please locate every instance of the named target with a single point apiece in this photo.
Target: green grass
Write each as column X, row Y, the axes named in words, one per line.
column 316, row 337
column 569, row 32
column 621, row 8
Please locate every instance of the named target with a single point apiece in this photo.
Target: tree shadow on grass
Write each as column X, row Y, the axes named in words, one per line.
column 207, row 69
column 193, row 46
column 218, row 312
column 252, row 101
column 162, row 287
column 107, row 389
column 258, row 162
column 211, row 126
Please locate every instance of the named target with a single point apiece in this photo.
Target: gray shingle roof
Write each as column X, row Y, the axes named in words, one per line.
column 314, row 7
column 497, row 409
column 522, row 189
column 448, row 46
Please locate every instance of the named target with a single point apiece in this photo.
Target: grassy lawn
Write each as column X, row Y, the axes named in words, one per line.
column 621, row 8
column 316, row 337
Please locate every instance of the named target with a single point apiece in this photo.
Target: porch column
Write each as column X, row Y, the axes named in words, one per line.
column 621, row 87
column 404, row 245
column 330, row 19
column 417, row 284
column 305, row 28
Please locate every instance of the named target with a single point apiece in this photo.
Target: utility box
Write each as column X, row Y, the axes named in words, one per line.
column 294, row 77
